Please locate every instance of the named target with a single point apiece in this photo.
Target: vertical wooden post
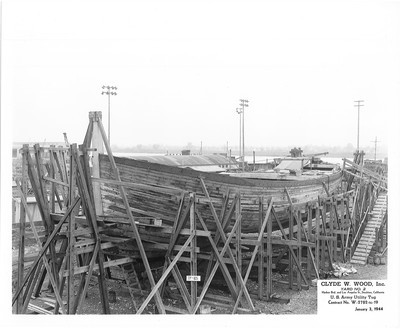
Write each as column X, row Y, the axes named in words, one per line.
column 238, row 241
column 317, row 240
column 290, row 254
column 97, row 144
column 269, row 256
column 71, row 238
column 52, row 174
column 299, row 249
column 193, row 254
column 310, row 239
column 22, row 221
column 261, row 250
column 333, row 225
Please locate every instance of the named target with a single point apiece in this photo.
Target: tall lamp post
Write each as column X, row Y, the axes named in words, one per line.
column 243, row 103
column 239, row 111
column 359, row 104
column 109, row 92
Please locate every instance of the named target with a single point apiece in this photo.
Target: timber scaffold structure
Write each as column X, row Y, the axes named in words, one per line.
column 81, row 244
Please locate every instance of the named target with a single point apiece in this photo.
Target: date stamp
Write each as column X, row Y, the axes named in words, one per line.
column 351, row 296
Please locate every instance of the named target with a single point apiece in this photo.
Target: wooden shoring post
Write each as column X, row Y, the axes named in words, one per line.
column 86, row 278
column 22, row 220
column 269, row 253
column 31, row 285
column 143, row 255
column 221, row 263
column 45, row 246
column 71, row 238
column 291, row 256
column 261, row 250
column 221, row 231
column 35, row 184
column 87, row 203
column 299, row 248
column 266, row 222
column 156, row 287
column 52, row 174
column 52, row 278
column 181, row 286
column 56, row 168
column 290, row 248
column 238, row 242
column 350, row 229
column 41, row 199
column 311, row 239
column 42, row 187
column 61, row 269
column 333, row 225
column 46, row 206
column 176, row 228
column 325, row 231
column 193, row 254
column 317, row 240
column 95, row 136
column 64, row 189
column 225, row 223
column 220, row 260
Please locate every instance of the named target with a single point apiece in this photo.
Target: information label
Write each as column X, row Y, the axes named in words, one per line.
column 193, row 278
column 352, row 296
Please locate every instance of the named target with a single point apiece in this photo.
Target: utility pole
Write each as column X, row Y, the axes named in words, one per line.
column 109, row 93
column 376, row 142
column 358, row 105
column 239, row 111
column 243, row 103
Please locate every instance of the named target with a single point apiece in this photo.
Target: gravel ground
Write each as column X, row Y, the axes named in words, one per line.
column 300, row 302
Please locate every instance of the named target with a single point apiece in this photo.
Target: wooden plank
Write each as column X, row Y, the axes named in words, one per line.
column 22, row 218
column 44, row 248
column 220, row 229
column 261, row 252
column 83, row 187
column 158, row 299
column 267, row 220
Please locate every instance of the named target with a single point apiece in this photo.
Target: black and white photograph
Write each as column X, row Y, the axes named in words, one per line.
column 200, row 163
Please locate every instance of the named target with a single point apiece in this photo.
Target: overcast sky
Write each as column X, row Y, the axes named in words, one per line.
column 182, row 66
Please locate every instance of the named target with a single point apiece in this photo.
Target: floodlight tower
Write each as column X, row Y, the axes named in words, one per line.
column 109, row 92
column 239, row 111
column 243, row 103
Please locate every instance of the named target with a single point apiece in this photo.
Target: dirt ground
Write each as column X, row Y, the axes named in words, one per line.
column 299, row 302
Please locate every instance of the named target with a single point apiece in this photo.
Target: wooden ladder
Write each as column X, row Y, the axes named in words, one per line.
column 368, row 238
column 132, row 281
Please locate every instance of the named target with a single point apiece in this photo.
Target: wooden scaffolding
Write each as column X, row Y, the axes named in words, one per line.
column 81, row 243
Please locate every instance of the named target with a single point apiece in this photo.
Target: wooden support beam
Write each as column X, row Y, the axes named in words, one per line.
column 158, row 299
column 220, row 229
column 253, row 256
column 22, row 219
column 44, row 248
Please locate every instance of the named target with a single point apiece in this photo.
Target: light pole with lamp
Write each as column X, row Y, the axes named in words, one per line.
column 109, row 93
column 243, row 103
column 239, row 111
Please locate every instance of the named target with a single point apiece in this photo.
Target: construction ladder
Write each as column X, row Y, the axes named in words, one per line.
column 367, row 240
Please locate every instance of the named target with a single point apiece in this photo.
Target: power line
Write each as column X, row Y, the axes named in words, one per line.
column 375, row 142
column 358, row 105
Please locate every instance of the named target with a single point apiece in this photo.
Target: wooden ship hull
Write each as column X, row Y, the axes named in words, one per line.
column 163, row 205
